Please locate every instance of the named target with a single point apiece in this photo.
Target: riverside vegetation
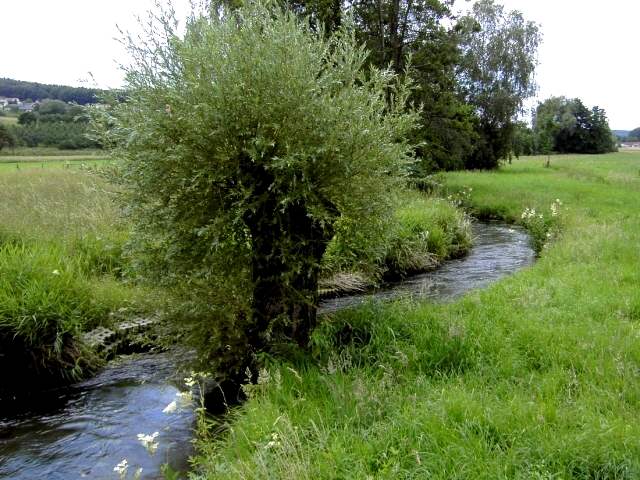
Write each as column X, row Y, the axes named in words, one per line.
column 534, row 377
column 64, row 267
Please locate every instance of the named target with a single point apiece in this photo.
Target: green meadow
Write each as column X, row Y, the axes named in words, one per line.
column 64, row 268
column 535, row 377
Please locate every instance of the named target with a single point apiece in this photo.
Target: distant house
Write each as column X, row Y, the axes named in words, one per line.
column 26, row 106
column 8, row 101
column 630, row 145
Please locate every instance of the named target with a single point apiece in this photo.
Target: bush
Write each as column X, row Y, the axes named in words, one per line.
column 246, row 141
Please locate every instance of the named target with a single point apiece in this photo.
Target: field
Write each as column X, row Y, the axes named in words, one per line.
column 537, row 376
column 8, row 120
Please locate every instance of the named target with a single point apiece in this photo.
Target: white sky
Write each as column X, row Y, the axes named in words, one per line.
column 588, row 48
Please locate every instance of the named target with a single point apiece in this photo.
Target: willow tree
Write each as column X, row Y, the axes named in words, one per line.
column 499, row 57
column 243, row 141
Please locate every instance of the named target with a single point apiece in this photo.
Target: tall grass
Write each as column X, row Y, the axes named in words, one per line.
column 423, row 232
column 534, row 377
column 60, row 252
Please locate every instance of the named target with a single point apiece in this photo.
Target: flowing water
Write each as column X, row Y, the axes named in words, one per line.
column 86, row 430
column 498, row 250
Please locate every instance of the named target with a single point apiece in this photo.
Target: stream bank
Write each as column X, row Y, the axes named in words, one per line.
column 86, row 430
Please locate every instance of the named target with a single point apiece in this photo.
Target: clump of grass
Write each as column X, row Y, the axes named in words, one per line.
column 423, row 232
column 60, row 253
column 45, row 302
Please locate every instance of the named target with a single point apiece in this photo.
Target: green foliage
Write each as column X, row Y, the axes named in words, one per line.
column 60, row 134
column 45, row 299
column 52, row 107
column 420, row 30
column 6, row 137
column 248, row 138
column 423, row 232
column 524, row 140
column 27, row 118
column 567, row 126
column 499, row 60
column 39, row 91
column 529, row 378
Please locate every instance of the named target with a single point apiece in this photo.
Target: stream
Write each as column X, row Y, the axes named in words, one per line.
column 85, row 430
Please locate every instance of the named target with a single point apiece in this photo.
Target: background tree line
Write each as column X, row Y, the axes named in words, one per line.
column 40, row 91
column 563, row 125
column 52, row 123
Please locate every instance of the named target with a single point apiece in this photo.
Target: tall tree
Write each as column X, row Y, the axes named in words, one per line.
column 496, row 75
column 573, row 127
column 423, row 30
column 244, row 142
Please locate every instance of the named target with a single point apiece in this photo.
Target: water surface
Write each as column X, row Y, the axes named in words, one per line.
column 86, row 430
column 498, row 250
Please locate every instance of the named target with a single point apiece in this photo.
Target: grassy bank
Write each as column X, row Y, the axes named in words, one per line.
column 423, row 232
column 62, row 264
column 534, row 377
column 60, row 259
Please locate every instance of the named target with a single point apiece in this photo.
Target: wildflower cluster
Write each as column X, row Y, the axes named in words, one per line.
column 122, row 468
column 149, row 441
column 542, row 228
column 530, row 213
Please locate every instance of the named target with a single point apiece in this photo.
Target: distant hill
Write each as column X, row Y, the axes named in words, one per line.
column 39, row 91
column 621, row 133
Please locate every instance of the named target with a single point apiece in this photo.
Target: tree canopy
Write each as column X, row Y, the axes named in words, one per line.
column 496, row 75
column 568, row 126
column 248, row 138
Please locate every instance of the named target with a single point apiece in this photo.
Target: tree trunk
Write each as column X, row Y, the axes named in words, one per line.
column 287, row 246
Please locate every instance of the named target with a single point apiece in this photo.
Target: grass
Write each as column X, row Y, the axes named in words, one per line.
column 49, row 158
column 423, row 232
column 60, row 258
column 36, row 153
column 537, row 376
column 8, row 120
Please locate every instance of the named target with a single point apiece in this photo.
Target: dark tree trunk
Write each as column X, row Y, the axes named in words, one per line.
column 287, row 246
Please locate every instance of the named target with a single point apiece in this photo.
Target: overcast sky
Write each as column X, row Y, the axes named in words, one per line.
column 587, row 51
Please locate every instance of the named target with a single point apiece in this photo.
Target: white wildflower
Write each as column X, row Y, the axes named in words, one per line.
column 171, row 407
column 55, row 272
column 190, row 381
column 121, row 468
column 185, row 398
column 149, row 441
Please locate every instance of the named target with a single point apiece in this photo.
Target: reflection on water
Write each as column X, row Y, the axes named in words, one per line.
column 498, row 250
column 86, row 430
